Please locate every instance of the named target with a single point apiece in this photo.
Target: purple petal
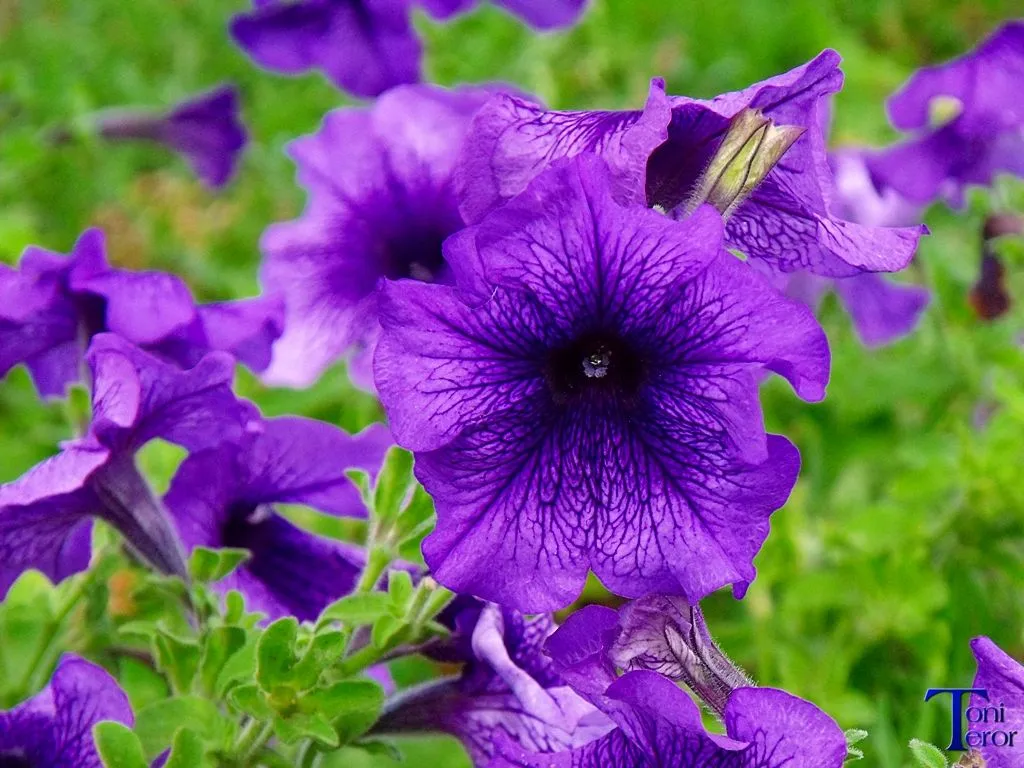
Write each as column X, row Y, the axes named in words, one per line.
column 246, row 328
column 546, row 14
column 882, row 311
column 363, row 46
column 208, row 130
column 581, row 649
column 445, row 9
column 1003, row 678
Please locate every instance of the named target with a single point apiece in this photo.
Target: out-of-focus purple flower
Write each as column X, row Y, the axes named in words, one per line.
column 52, row 305
column 659, row 726
column 380, row 203
column 984, row 137
column 224, row 497
column 53, row 729
column 507, row 687
column 586, row 398
column 1003, row 678
column 363, row 46
column 541, row 14
column 206, row 130
column 45, row 514
column 661, row 155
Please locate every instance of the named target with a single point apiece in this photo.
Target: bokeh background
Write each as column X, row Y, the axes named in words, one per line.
column 905, row 535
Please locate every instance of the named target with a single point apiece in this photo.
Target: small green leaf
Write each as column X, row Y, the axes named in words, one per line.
column 157, row 724
column 275, row 653
column 855, row 735
column 301, row 725
column 234, row 607
column 359, row 609
column 118, row 746
column 177, row 658
column 323, row 650
column 252, row 701
column 400, row 588
column 380, row 748
column 361, row 479
column 208, row 565
column 241, row 666
column 353, row 705
column 927, row 755
column 220, row 645
column 392, row 485
column 388, row 631
column 188, row 751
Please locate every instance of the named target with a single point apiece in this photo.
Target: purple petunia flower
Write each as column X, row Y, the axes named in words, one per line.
column 659, row 726
column 662, row 157
column 541, row 14
column 45, row 514
column 224, row 497
column 380, row 205
column 1003, row 678
column 587, row 398
column 363, row 46
column 986, row 135
column 507, row 687
column 206, row 130
column 53, row 729
column 882, row 310
column 53, row 305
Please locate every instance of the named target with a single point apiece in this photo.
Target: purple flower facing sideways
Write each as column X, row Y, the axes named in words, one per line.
column 363, row 46
column 52, row 305
column 659, row 726
column 45, row 514
column 1003, row 678
column 587, row 398
column 224, row 497
column 380, row 203
column 53, row 729
column 985, row 135
column 541, row 14
column 507, row 688
column 206, row 130
column 659, row 157
column 882, row 310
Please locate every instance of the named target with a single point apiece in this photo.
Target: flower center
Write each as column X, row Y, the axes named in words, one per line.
column 416, row 253
column 594, row 362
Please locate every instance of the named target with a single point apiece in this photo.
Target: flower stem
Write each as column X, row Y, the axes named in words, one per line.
column 255, row 734
column 376, row 563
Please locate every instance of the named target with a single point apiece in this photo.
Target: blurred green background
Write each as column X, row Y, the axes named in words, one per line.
column 905, row 535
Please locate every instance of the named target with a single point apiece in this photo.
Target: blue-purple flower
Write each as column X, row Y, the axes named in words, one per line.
column 45, row 514
column 363, row 46
column 206, row 130
column 1003, row 678
column 52, row 305
column 976, row 102
column 53, row 729
column 586, row 398
column 541, row 14
column 660, row 157
column 507, row 688
column 380, row 203
column 659, row 726
column 225, row 496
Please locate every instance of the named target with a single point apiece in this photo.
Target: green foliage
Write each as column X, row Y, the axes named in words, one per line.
column 927, row 755
column 118, row 746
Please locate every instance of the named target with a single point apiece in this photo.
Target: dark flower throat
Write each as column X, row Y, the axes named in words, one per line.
column 596, row 362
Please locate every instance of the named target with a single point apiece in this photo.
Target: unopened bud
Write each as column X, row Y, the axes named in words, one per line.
column 751, row 148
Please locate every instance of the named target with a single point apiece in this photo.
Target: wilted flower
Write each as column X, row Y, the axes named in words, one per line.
column 206, row 130
column 380, row 204
column 362, row 46
column 587, row 398
column 45, row 514
column 507, row 686
column 659, row 726
column 53, row 729
column 762, row 149
column 1003, row 679
column 542, row 14
column 225, row 496
column 975, row 101
column 52, row 305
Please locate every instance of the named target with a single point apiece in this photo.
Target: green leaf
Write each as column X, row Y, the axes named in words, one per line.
column 392, row 485
column 208, row 565
column 324, row 649
column 927, row 755
column 187, row 751
column 353, row 705
column 177, row 658
column 855, row 735
column 380, row 748
column 301, row 725
column 275, row 653
column 234, row 607
column 359, row 609
column 252, row 701
column 118, row 746
column 400, row 589
column 220, row 645
column 361, row 479
column 241, row 666
column 388, row 631
column 157, row 724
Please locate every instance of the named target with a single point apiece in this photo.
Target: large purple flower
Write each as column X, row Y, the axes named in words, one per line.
column 380, row 205
column 1003, row 678
column 882, row 310
column 587, row 398
column 53, row 729
column 224, row 497
column 507, row 687
column 661, row 155
column 986, row 135
column 205, row 129
column 363, row 46
column 52, row 305
column 45, row 514
column 542, row 14
column 658, row 724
